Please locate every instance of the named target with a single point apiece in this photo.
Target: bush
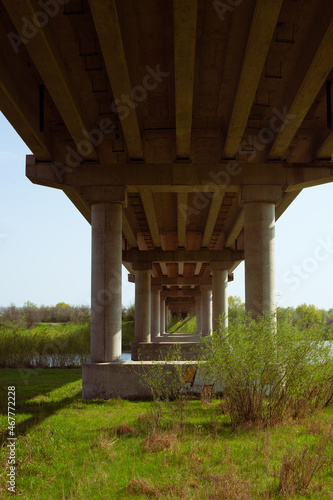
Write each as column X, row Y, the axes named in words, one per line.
column 269, row 371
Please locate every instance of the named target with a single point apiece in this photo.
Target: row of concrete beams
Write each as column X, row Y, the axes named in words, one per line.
column 259, row 240
column 48, row 61
column 50, row 65
column 263, row 24
column 180, row 281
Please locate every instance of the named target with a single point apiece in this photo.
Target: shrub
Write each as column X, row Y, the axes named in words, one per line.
column 269, row 371
column 299, row 468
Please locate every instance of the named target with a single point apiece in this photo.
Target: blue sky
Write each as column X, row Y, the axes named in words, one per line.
column 45, row 243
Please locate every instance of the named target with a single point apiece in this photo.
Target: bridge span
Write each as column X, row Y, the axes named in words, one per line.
column 181, row 130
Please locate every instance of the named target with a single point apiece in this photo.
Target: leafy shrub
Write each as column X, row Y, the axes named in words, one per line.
column 269, row 371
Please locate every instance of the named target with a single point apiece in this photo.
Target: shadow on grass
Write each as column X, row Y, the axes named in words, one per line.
column 32, row 387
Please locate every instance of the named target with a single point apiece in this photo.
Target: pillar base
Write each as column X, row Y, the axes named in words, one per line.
column 112, row 380
column 188, row 351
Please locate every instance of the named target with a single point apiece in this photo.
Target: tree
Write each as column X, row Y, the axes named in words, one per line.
column 308, row 315
column 62, row 312
column 31, row 313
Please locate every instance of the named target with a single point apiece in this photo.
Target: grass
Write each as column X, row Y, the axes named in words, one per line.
column 72, row 448
column 67, row 344
column 188, row 325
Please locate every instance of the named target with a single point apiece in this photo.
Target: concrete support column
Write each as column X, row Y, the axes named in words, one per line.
column 259, row 246
column 155, row 311
column 162, row 316
column 106, row 222
column 206, row 310
column 198, row 314
column 220, row 293
column 167, row 317
column 142, row 301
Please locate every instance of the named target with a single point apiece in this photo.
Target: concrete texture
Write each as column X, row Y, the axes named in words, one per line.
column 163, row 350
column 142, row 306
column 155, row 312
column 198, row 314
column 112, row 380
column 259, row 234
column 106, row 282
column 206, row 310
column 162, row 316
column 220, row 297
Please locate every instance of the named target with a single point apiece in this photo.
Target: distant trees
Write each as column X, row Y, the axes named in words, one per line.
column 30, row 314
column 128, row 313
column 305, row 316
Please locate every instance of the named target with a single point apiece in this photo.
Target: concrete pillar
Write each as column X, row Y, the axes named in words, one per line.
column 220, row 293
column 106, row 222
column 162, row 316
column 155, row 311
column 259, row 246
column 198, row 314
column 142, row 301
column 206, row 310
column 167, row 317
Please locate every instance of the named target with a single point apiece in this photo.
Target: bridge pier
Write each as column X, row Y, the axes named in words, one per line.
column 155, row 311
column 198, row 313
column 220, row 293
column 206, row 310
column 142, row 302
column 106, row 221
column 259, row 247
column 162, row 316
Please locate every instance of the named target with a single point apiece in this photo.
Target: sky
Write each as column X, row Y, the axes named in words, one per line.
column 45, row 243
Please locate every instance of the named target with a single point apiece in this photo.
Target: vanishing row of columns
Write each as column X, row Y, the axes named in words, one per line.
column 106, row 305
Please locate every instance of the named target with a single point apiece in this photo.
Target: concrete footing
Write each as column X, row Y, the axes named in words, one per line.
column 161, row 350
column 112, row 380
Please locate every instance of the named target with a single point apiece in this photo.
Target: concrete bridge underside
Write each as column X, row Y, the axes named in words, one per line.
column 181, row 130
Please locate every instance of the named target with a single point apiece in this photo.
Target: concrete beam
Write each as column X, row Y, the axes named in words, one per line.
column 185, row 27
column 180, row 293
column 285, row 203
column 326, row 149
column 180, row 255
column 148, row 205
column 109, row 35
column 264, row 20
column 79, row 202
column 128, row 232
column 214, row 210
column 236, row 229
column 181, row 217
column 176, row 177
column 315, row 77
column 19, row 113
column 49, row 62
column 181, row 281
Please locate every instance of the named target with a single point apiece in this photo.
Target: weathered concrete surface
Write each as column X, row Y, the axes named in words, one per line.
column 260, row 257
column 161, row 350
column 112, row 380
column 106, row 282
column 143, row 306
column 206, row 310
column 220, row 296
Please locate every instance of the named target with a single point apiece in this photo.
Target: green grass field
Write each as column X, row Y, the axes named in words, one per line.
column 71, row 448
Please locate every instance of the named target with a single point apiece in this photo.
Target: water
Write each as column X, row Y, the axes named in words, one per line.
column 50, row 361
